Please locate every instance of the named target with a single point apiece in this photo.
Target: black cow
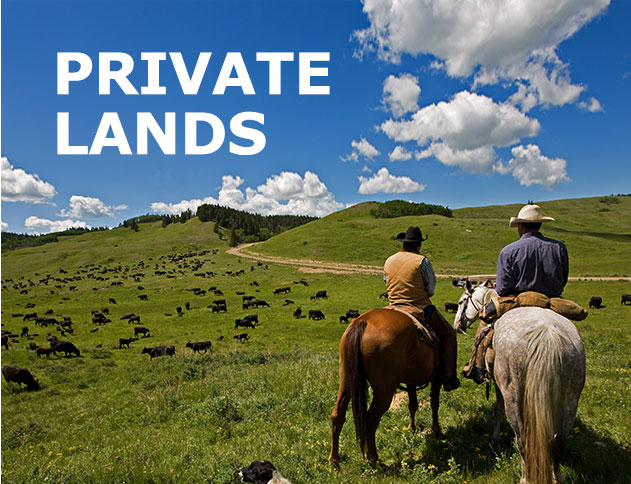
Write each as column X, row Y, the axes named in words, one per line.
column 142, row 330
column 5, row 341
column 254, row 318
column 242, row 337
column 352, row 313
column 316, row 314
column 259, row 302
column 626, row 298
column 596, row 302
column 243, row 323
column 125, row 342
column 343, row 319
column 288, row 302
column 220, row 308
column 45, row 351
column 112, row 300
column 298, row 312
column 451, row 307
column 143, row 297
column 29, row 316
column 134, row 318
column 199, row 346
column 65, row 346
column 20, row 375
column 282, row 290
column 319, row 295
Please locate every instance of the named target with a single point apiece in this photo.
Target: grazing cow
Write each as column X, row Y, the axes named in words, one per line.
column 199, row 346
column 187, row 306
column 453, row 307
column 5, row 341
column 219, row 309
column 127, row 316
column 247, row 298
column 125, row 342
column 260, row 303
column 242, row 337
column 29, row 316
column 316, row 314
column 133, row 319
column 288, row 302
column 626, row 298
column 20, row 375
column 352, row 313
column 319, row 295
column 159, row 351
column 252, row 317
column 32, row 346
column 219, row 302
column 65, row 346
column 243, row 323
column 45, row 351
column 142, row 330
column 24, row 331
column 298, row 312
column 220, row 338
column 143, row 297
column 49, row 311
column 218, row 292
column 179, row 311
column 595, row 302
column 112, row 300
column 343, row 319
column 282, row 290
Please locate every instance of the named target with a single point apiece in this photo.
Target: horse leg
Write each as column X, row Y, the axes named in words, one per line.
column 435, row 402
column 499, row 413
column 382, row 398
column 412, row 405
column 338, row 417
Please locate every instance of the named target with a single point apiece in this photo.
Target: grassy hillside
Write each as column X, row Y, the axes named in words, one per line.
column 596, row 230
column 114, row 415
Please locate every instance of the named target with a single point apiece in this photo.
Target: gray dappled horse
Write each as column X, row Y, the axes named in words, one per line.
column 539, row 373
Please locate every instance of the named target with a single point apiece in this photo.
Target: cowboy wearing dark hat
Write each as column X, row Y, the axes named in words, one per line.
column 410, row 282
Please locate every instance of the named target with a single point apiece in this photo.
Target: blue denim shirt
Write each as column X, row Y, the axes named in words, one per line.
column 532, row 263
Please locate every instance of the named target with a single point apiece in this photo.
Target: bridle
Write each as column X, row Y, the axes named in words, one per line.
column 478, row 308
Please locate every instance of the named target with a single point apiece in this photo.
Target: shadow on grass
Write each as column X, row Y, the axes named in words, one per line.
column 603, row 235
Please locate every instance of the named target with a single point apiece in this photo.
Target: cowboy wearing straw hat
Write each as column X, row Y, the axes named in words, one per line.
column 530, row 272
column 410, row 282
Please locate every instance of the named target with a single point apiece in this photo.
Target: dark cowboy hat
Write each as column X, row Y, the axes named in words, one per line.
column 412, row 234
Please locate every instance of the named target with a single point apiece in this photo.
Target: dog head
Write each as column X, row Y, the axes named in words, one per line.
column 258, row 472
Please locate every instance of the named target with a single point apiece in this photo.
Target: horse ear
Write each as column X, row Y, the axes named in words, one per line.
column 489, row 283
column 468, row 285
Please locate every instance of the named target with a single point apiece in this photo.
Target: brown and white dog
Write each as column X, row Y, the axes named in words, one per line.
column 262, row 472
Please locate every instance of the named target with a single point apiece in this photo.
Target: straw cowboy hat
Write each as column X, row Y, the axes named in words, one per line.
column 413, row 234
column 529, row 214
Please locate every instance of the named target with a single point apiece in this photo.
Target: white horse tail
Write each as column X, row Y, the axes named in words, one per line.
column 542, row 403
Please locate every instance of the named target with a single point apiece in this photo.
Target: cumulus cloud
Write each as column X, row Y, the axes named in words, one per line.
column 494, row 40
column 35, row 223
column 20, row 186
column 89, row 207
column 593, row 105
column 400, row 94
column 285, row 194
column 399, row 153
column 361, row 148
column 529, row 166
column 384, row 182
column 4, row 226
column 464, row 131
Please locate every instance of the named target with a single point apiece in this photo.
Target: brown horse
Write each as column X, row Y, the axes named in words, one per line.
column 382, row 347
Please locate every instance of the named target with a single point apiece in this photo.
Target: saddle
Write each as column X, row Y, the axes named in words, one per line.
column 425, row 333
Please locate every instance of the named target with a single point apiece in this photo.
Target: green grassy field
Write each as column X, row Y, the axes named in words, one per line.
column 597, row 232
column 113, row 415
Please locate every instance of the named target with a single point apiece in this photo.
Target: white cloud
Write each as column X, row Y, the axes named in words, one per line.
column 493, row 40
column 384, row 182
column 4, row 226
column 20, row 186
column 464, row 131
column 529, row 166
column 284, row 194
column 593, row 106
column 361, row 148
column 400, row 94
column 399, row 153
column 89, row 207
column 33, row 223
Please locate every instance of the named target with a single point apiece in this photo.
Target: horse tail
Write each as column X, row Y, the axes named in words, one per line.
column 542, row 403
column 355, row 378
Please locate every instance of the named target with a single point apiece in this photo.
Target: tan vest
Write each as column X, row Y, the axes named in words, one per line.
column 404, row 280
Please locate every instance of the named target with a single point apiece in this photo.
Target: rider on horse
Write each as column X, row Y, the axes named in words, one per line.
column 410, row 282
column 530, row 271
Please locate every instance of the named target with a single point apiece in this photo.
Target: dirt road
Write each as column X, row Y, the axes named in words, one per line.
column 310, row 265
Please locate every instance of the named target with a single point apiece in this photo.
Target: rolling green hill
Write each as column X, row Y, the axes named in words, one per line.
column 596, row 230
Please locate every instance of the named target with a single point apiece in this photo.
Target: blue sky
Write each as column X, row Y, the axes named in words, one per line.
column 452, row 102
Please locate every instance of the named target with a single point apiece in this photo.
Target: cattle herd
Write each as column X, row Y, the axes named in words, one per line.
column 67, row 285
